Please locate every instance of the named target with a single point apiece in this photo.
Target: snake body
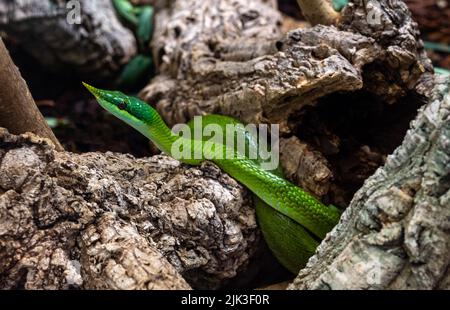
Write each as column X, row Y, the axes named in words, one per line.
column 292, row 220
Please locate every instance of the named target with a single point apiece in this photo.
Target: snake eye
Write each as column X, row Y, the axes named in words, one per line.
column 122, row 105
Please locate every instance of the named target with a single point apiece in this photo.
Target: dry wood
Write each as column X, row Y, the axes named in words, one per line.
column 395, row 233
column 18, row 111
column 243, row 66
column 273, row 78
column 112, row 221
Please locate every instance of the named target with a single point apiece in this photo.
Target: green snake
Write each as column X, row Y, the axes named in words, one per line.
column 292, row 220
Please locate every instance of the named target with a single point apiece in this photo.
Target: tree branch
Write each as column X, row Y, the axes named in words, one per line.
column 18, row 111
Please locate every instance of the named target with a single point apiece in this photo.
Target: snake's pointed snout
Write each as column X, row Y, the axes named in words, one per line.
column 95, row 91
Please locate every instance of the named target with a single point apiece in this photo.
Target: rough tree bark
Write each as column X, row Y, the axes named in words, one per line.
column 396, row 232
column 245, row 67
column 18, row 111
column 96, row 47
column 112, row 221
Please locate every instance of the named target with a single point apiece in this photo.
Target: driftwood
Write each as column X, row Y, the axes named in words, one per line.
column 86, row 39
column 112, row 221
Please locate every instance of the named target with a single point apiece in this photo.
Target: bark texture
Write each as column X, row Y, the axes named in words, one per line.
column 390, row 24
column 95, row 44
column 111, row 214
column 243, row 66
column 18, row 111
column 396, row 232
column 112, row 221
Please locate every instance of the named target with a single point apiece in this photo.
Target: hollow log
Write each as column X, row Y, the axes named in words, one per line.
column 396, row 232
column 243, row 66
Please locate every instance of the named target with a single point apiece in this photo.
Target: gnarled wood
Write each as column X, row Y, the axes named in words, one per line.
column 374, row 50
column 396, row 232
column 243, row 66
column 235, row 61
column 112, row 221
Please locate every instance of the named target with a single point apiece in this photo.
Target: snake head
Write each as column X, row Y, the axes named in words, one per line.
column 131, row 110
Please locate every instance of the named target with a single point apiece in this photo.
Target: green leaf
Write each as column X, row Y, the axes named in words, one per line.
column 126, row 10
column 145, row 25
column 338, row 5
